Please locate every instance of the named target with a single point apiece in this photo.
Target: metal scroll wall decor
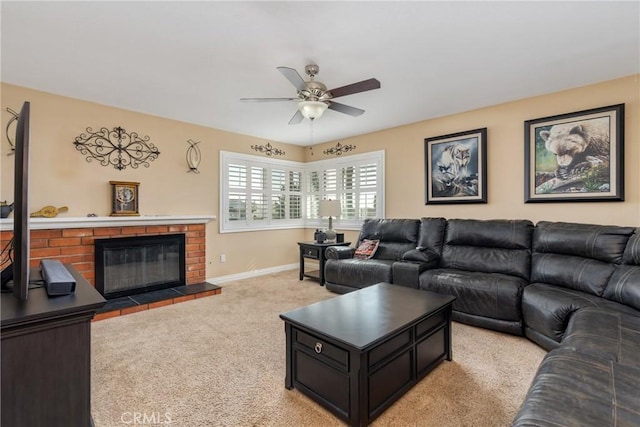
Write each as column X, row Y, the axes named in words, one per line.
column 11, row 132
column 193, row 156
column 339, row 149
column 116, row 147
column 268, row 150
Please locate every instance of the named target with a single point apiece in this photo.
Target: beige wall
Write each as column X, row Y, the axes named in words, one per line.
column 60, row 175
column 505, row 158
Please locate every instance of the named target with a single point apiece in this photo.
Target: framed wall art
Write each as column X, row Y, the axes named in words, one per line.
column 575, row 157
column 124, row 198
column 456, row 168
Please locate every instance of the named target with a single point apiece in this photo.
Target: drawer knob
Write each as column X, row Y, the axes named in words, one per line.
column 318, row 347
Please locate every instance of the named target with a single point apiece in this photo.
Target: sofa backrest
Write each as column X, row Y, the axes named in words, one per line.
column 396, row 236
column 488, row 246
column 624, row 284
column 430, row 241
column 577, row 256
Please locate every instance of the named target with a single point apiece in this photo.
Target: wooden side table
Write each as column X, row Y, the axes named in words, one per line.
column 313, row 250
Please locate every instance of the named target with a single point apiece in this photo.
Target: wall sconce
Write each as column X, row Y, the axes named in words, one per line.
column 193, row 156
column 9, row 131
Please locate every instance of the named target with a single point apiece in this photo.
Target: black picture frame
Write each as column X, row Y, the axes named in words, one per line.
column 575, row 157
column 456, row 168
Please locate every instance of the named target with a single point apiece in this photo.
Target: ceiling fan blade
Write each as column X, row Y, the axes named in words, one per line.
column 266, row 99
column 297, row 118
column 362, row 86
column 346, row 109
column 295, row 79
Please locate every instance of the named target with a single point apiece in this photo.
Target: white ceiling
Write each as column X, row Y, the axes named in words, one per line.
column 192, row 61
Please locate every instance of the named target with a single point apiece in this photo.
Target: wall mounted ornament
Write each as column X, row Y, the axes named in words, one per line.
column 10, row 129
column 339, row 149
column 116, row 147
column 268, row 150
column 193, row 156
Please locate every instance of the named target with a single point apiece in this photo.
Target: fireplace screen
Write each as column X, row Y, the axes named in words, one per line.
column 133, row 265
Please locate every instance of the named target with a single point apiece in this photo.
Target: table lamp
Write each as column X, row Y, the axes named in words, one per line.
column 330, row 208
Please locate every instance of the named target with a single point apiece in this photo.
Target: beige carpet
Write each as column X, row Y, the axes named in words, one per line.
column 220, row 361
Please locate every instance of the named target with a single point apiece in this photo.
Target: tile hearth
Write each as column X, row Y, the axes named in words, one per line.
column 148, row 300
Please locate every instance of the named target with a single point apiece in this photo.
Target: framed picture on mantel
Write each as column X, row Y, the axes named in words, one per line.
column 124, row 198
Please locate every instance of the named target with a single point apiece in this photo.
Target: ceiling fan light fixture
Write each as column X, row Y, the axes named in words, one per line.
column 312, row 109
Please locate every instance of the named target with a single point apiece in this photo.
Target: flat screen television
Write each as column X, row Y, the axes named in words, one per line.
column 21, row 236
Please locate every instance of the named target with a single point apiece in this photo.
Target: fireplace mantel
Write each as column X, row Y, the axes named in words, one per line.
column 6, row 224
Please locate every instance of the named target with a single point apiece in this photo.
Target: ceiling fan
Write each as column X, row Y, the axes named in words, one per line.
column 313, row 98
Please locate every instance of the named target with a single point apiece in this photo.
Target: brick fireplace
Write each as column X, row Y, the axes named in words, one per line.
column 71, row 240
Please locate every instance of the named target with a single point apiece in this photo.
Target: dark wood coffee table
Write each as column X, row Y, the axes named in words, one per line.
column 357, row 353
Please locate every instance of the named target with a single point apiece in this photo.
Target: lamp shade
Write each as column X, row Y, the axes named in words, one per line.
column 330, row 208
column 312, row 109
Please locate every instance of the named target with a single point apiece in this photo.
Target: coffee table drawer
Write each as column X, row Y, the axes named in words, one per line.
column 430, row 351
column 430, row 323
column 393, row 345
column 323, row 348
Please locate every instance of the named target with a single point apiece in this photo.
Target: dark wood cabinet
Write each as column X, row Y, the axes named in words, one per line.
column 357, row 353
column 46, row 357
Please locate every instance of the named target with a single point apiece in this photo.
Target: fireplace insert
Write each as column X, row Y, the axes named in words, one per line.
column 134, row 265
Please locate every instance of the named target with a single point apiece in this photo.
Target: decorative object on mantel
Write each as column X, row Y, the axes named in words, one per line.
column 5, row 209
column 268, row 150
column 193, row 156
column 49, row 212
column 10, row 132
column 124, row 198
column 339, row 149
column 117, row 148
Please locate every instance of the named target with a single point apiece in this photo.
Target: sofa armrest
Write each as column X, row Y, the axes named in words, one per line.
column 339, row 252
column 408, row 273
column 428, row 257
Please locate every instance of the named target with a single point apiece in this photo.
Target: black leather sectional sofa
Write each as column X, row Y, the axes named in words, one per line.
column 574, row 289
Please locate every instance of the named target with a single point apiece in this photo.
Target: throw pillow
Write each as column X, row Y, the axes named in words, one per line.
column 367, row 249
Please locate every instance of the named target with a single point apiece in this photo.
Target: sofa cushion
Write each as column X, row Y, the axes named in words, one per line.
column 358, row 273
column 605, row 334
column 581, row 274
column 547, row 309
column 573, row 389
column 624, row 285
column 492, row 246
column 396, row 236
column 601, row 242
column 491, row 295
column 582, row 257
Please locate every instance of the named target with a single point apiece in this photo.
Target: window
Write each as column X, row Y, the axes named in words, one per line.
column 357, row 181
column 258, row 193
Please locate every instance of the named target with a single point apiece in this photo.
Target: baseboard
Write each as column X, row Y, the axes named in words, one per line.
column 253, row 273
